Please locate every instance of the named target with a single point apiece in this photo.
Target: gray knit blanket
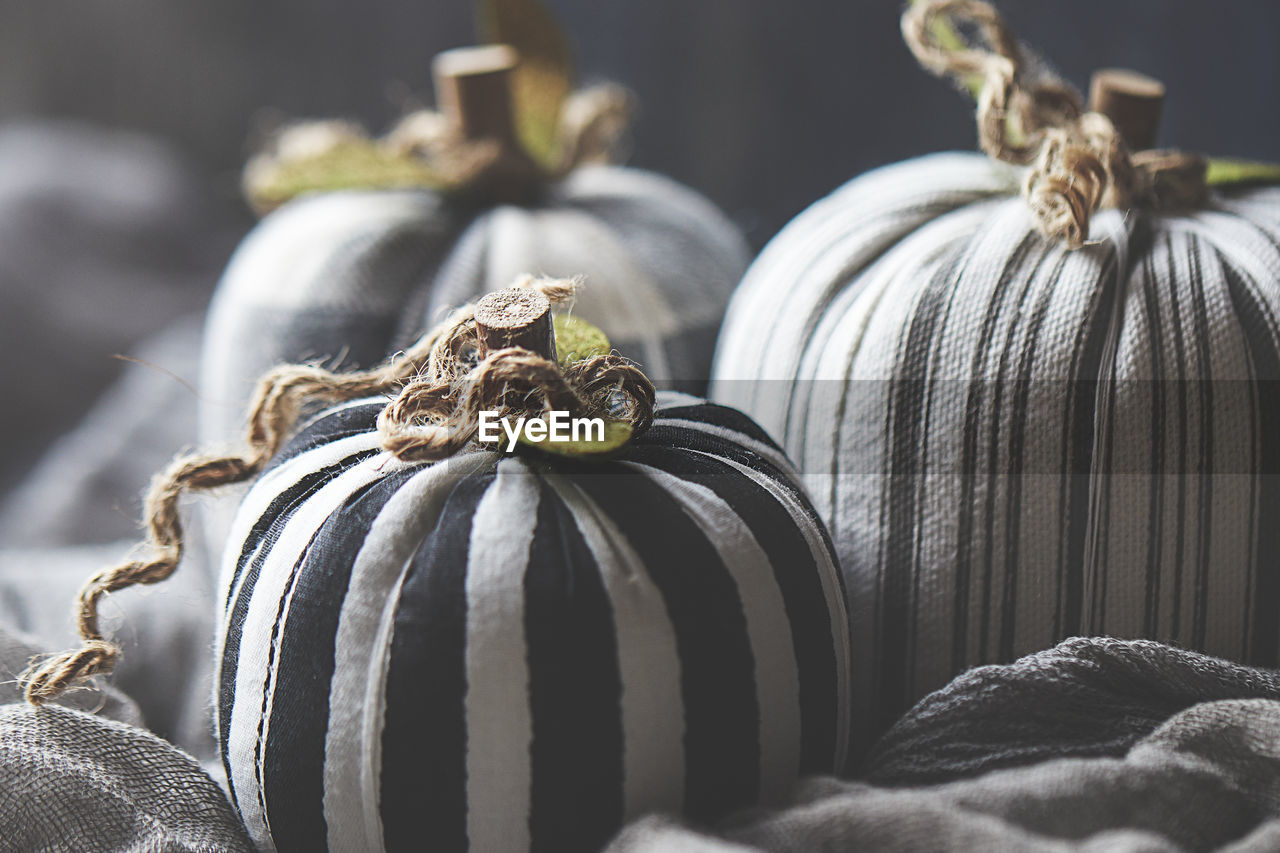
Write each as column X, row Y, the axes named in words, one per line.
column 1095, row 745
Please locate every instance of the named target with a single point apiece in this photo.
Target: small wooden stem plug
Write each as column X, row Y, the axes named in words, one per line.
column 516, row 317
column 474, row 92
column 1132, row 101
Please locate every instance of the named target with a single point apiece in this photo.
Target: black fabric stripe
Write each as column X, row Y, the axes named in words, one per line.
column 972, row 427
column 266, row 530
column 1155, row 498
column 721, row 416
column 1259, row 328
column 799, row 580
column 269, row 678
column 327, row 427
column 672, row 436
column 282, row 508
column 575, row 689
column 717, row 675
column 295, row 750
column 1204, row 466
column 424, row 741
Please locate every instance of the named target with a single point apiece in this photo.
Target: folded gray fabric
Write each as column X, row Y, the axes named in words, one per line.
column 1209, row 778
column 87, row 489
column 72, row 781
column 105, row 236
column 165, row 632
column 1084, row 697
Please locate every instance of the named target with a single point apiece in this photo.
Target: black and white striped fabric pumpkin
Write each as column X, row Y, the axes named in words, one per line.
column 354, row 276
column 1012, row 442
column 503, row 652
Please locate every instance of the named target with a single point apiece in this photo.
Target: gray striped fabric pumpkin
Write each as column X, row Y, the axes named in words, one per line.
column 1012, row 442
column 507, row 652
column 353, row 276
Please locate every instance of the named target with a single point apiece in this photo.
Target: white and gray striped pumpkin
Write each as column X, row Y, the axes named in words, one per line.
column 508, row 652
column 1011, row 442
column 353, row 276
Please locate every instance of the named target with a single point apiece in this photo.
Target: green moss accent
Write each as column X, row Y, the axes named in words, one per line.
column 576, row 339
column 354, row 164
column 616, row 436
column 1228, row 172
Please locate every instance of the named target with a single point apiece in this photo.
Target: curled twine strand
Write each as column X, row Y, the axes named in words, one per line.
column 592, row 128
column 1078, row 162
column 439, row 393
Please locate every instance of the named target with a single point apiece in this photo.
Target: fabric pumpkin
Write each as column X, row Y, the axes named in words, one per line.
column 358, row 275
column 507, row 651
column 1013, row 442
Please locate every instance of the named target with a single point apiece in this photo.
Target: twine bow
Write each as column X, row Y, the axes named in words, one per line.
column 1078, row 162
column 440, row 386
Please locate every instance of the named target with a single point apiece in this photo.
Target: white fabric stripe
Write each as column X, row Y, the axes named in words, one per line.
column 499, row 719
column 829, row 574
column 652, row 701
column 248, row 722
column 357, row 694
column 777, row 677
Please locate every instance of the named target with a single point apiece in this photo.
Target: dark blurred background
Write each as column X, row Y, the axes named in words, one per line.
column 123, row 125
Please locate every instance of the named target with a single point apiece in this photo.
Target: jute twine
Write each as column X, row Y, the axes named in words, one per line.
column 431, row 151
column 440, row 387
column 1026, row 116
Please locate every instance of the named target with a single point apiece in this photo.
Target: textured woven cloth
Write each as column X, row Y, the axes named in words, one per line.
column 1013, row 443
column 1167, row 771
column 71, row 781
column 81, row 776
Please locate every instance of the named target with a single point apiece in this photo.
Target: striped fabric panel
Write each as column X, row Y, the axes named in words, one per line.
column 1012, row 443
column 497, row 653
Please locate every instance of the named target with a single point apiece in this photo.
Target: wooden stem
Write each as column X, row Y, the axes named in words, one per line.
column 516, row 317
column 473, row 89
column 1132, row 101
